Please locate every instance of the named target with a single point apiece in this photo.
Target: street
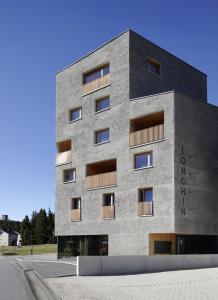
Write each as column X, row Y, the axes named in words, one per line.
column 13, row 285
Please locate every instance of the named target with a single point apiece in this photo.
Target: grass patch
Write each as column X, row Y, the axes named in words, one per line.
column 28, row 250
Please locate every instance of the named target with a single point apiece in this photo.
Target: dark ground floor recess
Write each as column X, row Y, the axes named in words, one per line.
column 159, row 243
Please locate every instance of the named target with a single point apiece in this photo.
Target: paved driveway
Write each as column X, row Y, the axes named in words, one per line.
column 199, row 284
column 13, row 284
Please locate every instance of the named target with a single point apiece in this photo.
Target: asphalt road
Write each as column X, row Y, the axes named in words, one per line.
column 13, row 285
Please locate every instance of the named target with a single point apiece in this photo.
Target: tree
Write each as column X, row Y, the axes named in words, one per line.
column 25, row 231
column 41, row 224
column 50, row 227
column 33, row 225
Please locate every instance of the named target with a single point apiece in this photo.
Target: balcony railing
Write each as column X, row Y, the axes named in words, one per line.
column 64, row 157
column 147, row 135
column 75, row 215
column 96, row 84
column 145, row 208
column 108, row 212
column 101, row 180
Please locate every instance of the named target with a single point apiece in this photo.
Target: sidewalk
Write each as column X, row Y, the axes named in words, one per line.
column 199, row 284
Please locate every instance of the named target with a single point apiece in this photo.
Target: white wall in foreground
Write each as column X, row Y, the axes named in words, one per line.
column 112, row 265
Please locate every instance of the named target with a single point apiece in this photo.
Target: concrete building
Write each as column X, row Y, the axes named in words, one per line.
column 137, row 161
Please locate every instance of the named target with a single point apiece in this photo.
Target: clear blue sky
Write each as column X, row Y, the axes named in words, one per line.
column 38, row 38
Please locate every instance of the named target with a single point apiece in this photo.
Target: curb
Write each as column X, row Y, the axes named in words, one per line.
column 40, row 289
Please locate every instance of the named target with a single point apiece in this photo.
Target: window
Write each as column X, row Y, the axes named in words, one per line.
column 143, row 160
column 75, row 114
column 153, row 66
column 162, row 247
column 108, row 200
column 102, row 136
column 102, row 104
column 76, row 203
column 146, row 195
column 95, row 74
column 69, row 175
column 145, row 202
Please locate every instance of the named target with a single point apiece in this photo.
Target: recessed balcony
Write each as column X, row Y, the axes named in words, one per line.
column 96, row 79
column 101, row 174
column 64, row 155
column 147, row 129
column 96, row 84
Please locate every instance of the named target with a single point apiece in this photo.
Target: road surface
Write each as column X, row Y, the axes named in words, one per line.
column 13, row 285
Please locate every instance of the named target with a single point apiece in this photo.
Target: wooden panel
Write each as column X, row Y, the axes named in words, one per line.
column 147, row 135
column 64, row 157
column 64, row 146
column 95, row 84
column 75, row 215
column 145, row 208
column 170, row 237
column 108, row 212
column 101, row 180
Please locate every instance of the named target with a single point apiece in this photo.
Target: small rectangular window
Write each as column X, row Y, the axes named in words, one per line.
column 76, row 203
column 143, row 160
column 102, row 136
column 108, row 200
column 162, row 247
column 75, row 114
column 69, row 175
column 145, row 202
column 102, row 104
column 154, row 66
column 95, row 74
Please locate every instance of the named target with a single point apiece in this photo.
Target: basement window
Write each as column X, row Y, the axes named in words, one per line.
column 162, row 247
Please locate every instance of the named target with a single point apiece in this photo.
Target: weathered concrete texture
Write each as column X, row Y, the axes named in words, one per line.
column 128, row 233
column 117, row 265
column 196, row 165
column 175, row 73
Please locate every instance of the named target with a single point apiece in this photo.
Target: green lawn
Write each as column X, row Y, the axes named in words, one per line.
column 26, row 250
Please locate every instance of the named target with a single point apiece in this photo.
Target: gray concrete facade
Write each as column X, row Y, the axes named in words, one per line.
column 134, row 93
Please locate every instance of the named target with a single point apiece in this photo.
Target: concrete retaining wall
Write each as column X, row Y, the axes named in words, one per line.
column 113, row 265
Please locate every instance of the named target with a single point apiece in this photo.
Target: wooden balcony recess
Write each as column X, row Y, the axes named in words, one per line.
column 96, row 84
column 101, row 180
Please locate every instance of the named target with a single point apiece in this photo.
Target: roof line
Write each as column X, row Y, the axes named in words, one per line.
column 76, row 61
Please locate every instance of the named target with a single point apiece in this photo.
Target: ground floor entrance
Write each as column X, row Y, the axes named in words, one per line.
column 82, row 245
column 172, row 243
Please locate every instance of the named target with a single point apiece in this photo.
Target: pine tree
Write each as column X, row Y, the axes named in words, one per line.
column 41, row 224
column 33, row 225
column 26, row 231
column 50, row 227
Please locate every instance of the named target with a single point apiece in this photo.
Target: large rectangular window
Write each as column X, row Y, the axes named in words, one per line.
column 102, row 104
column 143, row 160
column 69, row 175
column 97, row 73
column 102, row 136
column 75, row 114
